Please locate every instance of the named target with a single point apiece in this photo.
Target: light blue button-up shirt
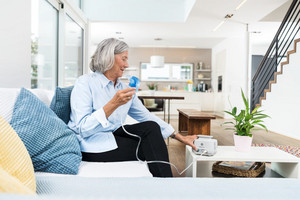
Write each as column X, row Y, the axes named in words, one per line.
column 94, row 131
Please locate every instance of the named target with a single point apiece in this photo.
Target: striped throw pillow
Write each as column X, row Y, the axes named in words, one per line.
column 12, row 185
column 14, row 158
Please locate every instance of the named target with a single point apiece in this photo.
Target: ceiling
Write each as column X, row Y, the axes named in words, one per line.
column 195, row 27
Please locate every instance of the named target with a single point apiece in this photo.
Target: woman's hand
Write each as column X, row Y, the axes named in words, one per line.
column 120, row 98
column 188, row 140
column 123, row 96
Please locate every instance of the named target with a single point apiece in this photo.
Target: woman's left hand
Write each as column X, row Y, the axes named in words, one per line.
column 188, row 140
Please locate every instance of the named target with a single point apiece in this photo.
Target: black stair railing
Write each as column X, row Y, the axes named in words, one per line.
column 276, row 51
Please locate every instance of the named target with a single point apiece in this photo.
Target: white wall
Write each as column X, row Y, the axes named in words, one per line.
column 229, row 59
column 15, row 44
column 282, row 104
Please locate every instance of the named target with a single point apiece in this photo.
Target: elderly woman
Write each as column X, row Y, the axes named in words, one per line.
column 99, row 104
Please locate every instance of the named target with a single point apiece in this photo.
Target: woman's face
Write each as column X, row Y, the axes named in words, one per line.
column 120, row 65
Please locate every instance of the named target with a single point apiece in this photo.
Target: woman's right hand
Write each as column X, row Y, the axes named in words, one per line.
column 120, row 98
column 123, row 96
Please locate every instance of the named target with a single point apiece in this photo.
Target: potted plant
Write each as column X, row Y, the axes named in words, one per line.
column 152, row 87
column 244, row 123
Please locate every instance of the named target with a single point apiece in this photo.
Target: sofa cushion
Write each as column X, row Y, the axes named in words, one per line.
column 14, row 158
column 60, row 103
column 53, row 147
column 108, row 169
column 73, row 187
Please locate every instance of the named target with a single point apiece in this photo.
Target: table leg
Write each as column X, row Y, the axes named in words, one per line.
column 168, row 118
column 287, row 170
column 168, row 111
column 188, row 160
column 164, row 109
column 194, row 174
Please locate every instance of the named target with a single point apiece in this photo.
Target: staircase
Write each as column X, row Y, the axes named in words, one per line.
column 283, row 103
column 280, row 71
column 271, row 66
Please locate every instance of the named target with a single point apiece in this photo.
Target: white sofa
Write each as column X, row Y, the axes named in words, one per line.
column 132, row 180
column 86, row 169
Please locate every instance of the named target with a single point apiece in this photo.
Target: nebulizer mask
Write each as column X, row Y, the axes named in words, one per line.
column 134, row 82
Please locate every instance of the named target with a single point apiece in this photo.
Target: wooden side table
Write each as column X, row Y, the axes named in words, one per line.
column 194, row 122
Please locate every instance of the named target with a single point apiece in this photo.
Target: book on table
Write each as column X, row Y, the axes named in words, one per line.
column 242, row 165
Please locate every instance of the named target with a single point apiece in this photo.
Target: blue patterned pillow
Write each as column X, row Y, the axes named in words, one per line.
column 52, row 146
column 60, row 103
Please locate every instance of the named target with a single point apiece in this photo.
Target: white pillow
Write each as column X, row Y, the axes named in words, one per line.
column 8, row 98
column 44, row 95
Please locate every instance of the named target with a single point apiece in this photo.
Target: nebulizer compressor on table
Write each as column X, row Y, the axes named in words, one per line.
column 205, row 144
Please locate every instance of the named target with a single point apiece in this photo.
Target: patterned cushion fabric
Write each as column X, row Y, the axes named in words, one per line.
column 12, row 185
column 60, row 103
column 14, row 158
column 52, row 146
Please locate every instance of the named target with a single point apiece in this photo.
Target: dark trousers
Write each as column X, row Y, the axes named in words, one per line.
column 152, row 147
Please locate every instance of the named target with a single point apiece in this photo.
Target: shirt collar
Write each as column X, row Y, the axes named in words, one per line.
column 105, row 81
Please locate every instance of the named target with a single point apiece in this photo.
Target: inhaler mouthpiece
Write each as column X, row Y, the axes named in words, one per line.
column 134, row 82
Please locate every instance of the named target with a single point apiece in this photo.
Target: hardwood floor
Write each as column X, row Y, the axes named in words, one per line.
column 225, row 138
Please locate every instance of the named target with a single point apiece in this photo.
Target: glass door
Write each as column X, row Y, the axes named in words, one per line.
column 44, row 45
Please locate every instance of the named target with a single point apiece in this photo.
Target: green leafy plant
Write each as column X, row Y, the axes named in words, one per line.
column 152, row 86
column 245, row 121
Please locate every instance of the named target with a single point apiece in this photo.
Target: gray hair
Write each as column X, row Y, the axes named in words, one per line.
column 104, row 56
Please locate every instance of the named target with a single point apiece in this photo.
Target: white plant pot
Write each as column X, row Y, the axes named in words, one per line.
column 151, row 92
column 242, row 143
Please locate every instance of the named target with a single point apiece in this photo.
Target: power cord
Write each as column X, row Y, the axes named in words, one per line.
column 156, row 161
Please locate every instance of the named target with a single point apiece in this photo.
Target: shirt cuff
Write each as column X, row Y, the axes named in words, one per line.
column 101, row 118
column 168, row 131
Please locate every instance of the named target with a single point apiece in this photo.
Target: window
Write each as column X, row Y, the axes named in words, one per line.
column 58, row 32
column 177, row 72
column 73, row 52
column 44, row 41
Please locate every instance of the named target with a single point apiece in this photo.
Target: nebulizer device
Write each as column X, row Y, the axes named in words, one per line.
column 134, row 82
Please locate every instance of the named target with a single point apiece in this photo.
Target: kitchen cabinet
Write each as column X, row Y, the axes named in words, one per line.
column 203, row 75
